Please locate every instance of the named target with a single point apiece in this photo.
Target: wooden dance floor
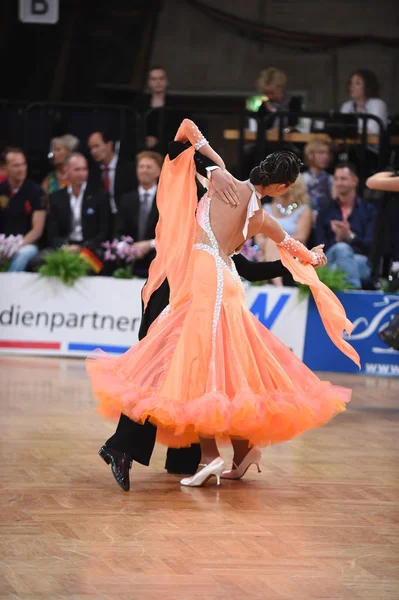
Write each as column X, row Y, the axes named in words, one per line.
column 320, row 521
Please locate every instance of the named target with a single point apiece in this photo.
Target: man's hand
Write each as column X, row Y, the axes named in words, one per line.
column 142, row 248
column 342, row 230
column 72, row 248
column 323, row 258
column 225, row 186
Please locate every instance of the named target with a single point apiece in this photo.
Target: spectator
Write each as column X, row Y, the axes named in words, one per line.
column 273, row 84
column 22, row 208
column 316, row 179
column 78, row 215
column 160, row 119
column 61, row 148
column 346, row 227
column 114, row 175
column 364, row 92
column 138, row 213
column 295, row 216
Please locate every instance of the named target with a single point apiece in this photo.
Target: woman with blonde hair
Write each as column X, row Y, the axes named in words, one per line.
column 272, row 83
column 293, row 211
column 61, row 149
column 318, row 182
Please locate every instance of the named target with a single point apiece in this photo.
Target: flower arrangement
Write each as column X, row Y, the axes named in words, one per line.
column 9, row 245
column 123, row 253
column 66, row 266
column 251, row 251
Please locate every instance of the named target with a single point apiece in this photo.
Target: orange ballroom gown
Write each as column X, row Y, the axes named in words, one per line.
column 208, row 367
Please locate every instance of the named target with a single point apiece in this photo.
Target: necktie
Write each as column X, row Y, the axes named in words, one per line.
column 144, row 212
column 106, row 178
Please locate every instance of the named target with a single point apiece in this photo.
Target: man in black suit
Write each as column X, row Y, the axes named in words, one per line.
column 134, row 441
column 138, row 214
column 78, row 215
column 116, row 176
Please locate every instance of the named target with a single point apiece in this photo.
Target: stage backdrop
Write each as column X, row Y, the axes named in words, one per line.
column 42, row 316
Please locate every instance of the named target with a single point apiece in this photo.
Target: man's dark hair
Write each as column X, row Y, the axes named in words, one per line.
column 347, row 165
column 279, row 167
column 8, row 150
column 371, row 83
column 106, row 136
column 157, row 68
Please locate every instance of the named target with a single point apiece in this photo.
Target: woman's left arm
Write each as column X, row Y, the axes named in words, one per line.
column 189, row 131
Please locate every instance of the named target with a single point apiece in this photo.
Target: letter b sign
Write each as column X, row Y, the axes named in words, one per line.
column 39, row 11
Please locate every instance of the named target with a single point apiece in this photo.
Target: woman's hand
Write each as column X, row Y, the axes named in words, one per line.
column 322, row 257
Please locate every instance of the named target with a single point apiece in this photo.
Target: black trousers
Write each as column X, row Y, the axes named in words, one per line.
column 138, row 440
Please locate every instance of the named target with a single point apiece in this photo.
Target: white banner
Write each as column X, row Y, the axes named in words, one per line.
column 39, row 11
column 42, row 316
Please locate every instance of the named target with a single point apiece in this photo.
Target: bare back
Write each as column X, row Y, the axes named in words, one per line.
column 227, row 222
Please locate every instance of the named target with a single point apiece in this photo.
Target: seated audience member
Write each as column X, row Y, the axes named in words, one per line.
column 316, row 179
column 61, row 148
column 111, row 173
column 78, row 215
column 346, row 227
column 364, row 98
column 138, row 213
column 293, row 211
column 160, row 122
column 23, row 206
column 272, row 83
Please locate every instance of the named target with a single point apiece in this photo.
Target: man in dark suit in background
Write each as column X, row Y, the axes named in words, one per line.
column 115, row 176
column 138, row 214
column 78, row 215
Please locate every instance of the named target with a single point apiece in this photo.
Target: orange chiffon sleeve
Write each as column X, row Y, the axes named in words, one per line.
column 330, row 308
column 176, row 228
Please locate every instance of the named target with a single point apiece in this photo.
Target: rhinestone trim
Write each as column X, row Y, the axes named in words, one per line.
column 297, row 249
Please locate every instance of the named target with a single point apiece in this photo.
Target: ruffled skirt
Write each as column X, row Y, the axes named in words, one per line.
column 210, row 368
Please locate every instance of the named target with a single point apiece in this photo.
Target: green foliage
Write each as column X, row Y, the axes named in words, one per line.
column 335, row 280
column 66, row 266
column 124, row 273
column 4, row 265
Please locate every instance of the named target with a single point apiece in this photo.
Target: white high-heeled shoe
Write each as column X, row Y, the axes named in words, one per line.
column 252, row 458
column 215, row 468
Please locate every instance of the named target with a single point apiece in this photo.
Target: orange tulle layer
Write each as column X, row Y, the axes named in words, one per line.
column 248, row 385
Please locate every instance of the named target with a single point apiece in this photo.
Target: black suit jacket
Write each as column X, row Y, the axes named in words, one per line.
column 95, row 207
column 125, row 179
column 127, row 222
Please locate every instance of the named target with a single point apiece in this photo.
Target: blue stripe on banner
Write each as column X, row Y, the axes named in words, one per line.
column 91, row 347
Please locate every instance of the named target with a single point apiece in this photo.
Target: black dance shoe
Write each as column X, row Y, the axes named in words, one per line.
column 121, row 464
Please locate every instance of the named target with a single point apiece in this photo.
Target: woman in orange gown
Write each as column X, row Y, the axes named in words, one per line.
column 208, row 369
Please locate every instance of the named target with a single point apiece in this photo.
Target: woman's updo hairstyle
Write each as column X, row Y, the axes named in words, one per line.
column 279, row 167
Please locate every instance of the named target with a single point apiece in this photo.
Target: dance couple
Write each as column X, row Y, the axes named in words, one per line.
column 208, row 370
